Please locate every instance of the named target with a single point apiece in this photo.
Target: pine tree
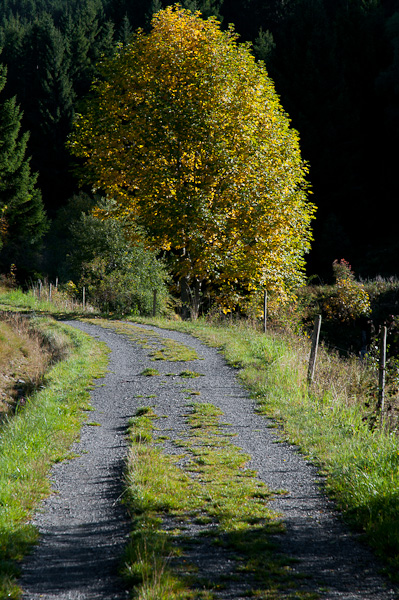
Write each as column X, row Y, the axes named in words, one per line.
column 48, row 111
column 264, row 45
column 23, row 221
column 125, row 31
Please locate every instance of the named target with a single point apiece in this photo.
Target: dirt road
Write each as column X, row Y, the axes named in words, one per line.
column 84, row 527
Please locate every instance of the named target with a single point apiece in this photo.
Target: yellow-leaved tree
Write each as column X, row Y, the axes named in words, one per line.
column 185, row 132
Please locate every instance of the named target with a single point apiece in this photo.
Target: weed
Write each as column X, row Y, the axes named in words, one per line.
column 148, row 372
column 189, row 374
column 144, row 410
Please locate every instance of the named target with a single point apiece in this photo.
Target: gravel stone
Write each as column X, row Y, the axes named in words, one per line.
column 83, row 525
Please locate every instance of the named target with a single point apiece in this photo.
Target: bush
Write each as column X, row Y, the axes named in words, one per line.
column 119, row 274
column 8, row 281
column 126, row 288
column 349, row 300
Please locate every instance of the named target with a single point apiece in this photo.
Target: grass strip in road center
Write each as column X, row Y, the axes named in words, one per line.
column 200, row 498
column 160, row 348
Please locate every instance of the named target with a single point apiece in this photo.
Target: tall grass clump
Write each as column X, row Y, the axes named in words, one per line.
column 332, row 425
column 37, row 436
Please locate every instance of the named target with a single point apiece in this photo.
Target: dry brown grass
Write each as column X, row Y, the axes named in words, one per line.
column 24, row 359
column 346, row 380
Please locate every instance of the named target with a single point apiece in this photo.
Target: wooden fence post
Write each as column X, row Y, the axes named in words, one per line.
column 154, row 303
column 264, row 311
column 49, row 292
column 313, row 351
column 84, row 297
column 40, row 288
column 381, row 372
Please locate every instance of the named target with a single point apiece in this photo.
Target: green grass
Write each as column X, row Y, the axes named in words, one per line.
column 207, row 484
column 190, row 374
column 149, row 372
column 17, row 300
column 330, row 424
column 38, row 436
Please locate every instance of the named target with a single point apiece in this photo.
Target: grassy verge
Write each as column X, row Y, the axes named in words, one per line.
column 38, row 435
column 61, row 303
column 27, row 350
column 204, row 496
column 330, row 422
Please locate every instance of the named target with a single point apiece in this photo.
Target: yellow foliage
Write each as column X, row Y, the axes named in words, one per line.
column 186, row 133
column 3, row 224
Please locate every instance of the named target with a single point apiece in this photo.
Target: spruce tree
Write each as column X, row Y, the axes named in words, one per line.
column 125, row 31
column 23, row 219
column 48, row 111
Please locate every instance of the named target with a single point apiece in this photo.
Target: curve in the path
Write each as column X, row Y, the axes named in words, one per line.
column 83, row 526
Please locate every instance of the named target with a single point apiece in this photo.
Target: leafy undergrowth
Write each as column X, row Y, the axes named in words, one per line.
column 38, row 435
column 203, row 495
column 330, row 422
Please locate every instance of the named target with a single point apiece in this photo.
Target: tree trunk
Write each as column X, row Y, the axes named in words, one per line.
column 185, row 298
column 190, row 298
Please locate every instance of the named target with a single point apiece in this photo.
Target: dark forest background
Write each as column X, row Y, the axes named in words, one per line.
column 335, row 64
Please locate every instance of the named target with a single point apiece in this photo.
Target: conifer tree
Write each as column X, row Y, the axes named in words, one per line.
column 23, row 221
column 125, row 31
column 48, row 110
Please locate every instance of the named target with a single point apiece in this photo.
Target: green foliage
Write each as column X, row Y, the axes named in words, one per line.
column 349, row 300
column 264, row 45
column 61, row 247
column 123, row 290
column 22, row 218
column 118, row 274
column 342, row 270
column 51, row 50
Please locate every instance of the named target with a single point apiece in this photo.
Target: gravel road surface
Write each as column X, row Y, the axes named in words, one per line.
column 83, row 525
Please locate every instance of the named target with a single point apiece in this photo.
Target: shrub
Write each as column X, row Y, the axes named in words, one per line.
column 8, row 281
column 126, row 288
column 119, row 275
column 349, row 299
